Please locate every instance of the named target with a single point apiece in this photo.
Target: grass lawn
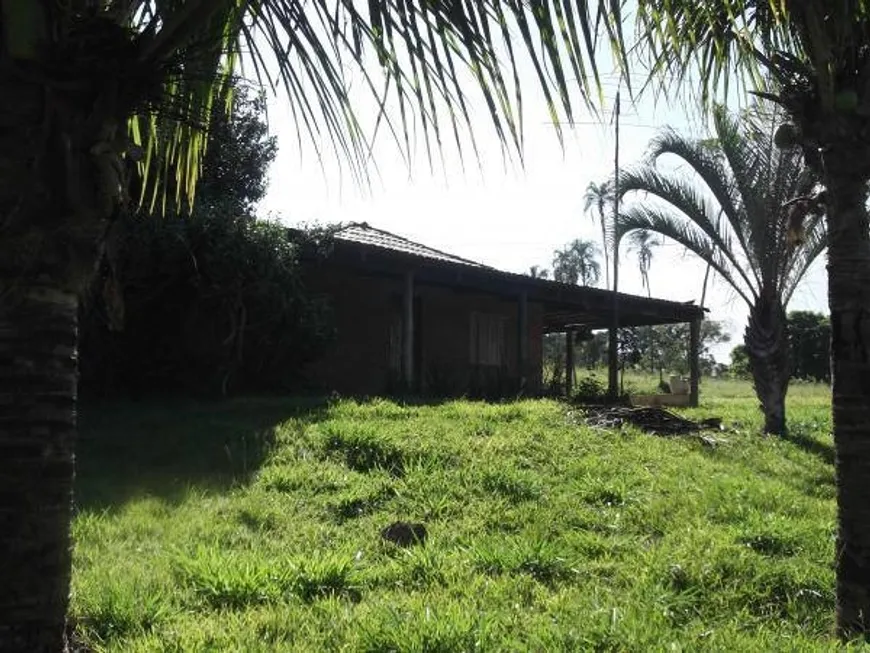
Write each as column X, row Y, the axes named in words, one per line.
column 253, row 525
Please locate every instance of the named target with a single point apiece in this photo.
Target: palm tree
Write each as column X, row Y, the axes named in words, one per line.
column 816, row 53
column 576, row 263
column 96, row 89
column 641, row 242
column 537, row 272
column 600, row 197
column 736, row 223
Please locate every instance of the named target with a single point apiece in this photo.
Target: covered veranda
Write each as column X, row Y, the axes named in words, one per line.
column 572, row 309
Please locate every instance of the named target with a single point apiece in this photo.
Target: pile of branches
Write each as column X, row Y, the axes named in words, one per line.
column 650, row 419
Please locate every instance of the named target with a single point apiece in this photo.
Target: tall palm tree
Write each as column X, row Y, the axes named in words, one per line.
column 642, row 242
column 96, row 89
column 600, row 197
column 730, row 213
column 816, row 52
column 577, row 263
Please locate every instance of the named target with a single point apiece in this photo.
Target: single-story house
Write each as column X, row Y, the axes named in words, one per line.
column 411, row 317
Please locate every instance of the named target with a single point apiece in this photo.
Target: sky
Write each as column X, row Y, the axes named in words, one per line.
column 499, row 211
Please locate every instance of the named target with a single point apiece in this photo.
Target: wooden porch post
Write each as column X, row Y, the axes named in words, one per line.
column 523, row 340
column 408, row 332
column 694, row 367
column 569, row 361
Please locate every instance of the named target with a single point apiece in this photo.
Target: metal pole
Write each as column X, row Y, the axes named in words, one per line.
column 613, row 342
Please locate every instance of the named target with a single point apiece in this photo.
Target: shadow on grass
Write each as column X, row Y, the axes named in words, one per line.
column 166, row 448
column 806, row 441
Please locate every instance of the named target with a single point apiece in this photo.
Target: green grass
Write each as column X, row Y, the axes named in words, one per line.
column 254, row 526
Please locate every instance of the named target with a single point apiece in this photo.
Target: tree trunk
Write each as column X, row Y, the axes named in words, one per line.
column 37, row 428
column 62, row 181
column 849, row 300
column 766, row 340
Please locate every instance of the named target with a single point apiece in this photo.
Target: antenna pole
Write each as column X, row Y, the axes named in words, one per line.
column 613, row 340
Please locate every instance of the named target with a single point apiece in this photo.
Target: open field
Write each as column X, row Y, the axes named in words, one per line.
column 254, row 525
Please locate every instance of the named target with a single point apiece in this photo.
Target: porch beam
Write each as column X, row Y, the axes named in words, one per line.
column 408, row 331
column 523, row 340
column 569, row 362
column 694, row 366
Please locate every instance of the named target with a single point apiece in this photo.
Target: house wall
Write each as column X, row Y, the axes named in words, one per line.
column 357, row 362
column 365, row 307
column 446, row 338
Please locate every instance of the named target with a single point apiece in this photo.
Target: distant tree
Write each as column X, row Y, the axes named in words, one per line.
column 713, row 333
column 728, row 206
column 810, row 338
column 665, row 347
column 577, row 263
column 642, row 242
column 234, row 170
column 600, row 198
column 634, row 344
column 554, row 362
column 593, row 352
column 740, row 363
column 537, row 272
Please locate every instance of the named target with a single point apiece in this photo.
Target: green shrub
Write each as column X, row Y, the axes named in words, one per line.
column 211, row 306
column 589, row 388
column 209, row 300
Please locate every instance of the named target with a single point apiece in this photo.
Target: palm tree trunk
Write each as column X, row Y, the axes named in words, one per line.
column 37, row 428
column 766, row 340
column 849, row 301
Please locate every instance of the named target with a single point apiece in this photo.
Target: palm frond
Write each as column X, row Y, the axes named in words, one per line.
column 695, row 208
column 786, row 182
column 740, row 210
column 427, row 52
column 798, row 44
column 814, row 244
column 710, row 43
column 706, row 161
column 687, row 234
column 744, row 161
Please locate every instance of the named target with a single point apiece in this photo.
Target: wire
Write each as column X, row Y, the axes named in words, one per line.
column 572, row 123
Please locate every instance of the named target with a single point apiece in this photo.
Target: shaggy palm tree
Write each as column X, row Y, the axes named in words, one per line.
column 817, row 54
column 600, row 197
column 642, row 242
column 94, row 90
column 577, row 263
column 733, row 214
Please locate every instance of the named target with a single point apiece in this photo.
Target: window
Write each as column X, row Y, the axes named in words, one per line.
column 487, row 339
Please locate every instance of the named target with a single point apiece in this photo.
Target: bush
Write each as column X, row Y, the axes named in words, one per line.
column 739, row 368
column 209, row 301
column 590, row 388
column 210, row 306
column 809, row 336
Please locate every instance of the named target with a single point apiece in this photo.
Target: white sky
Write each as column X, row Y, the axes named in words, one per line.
column 500, row 213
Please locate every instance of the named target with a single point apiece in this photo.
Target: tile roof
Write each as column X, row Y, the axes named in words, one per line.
column 564, row 304
column 361, row 232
